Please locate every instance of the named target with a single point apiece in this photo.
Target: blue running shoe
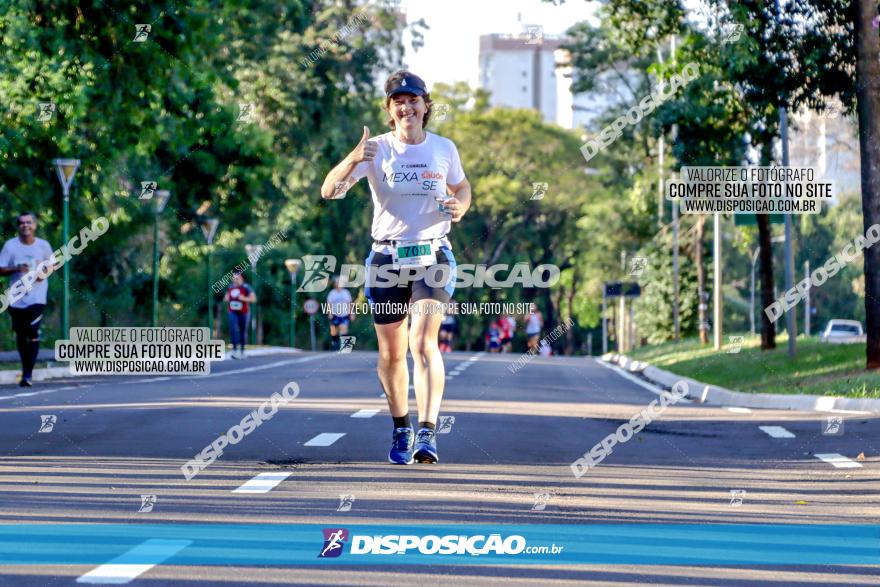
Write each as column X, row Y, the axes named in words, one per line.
column 426, row 446
column 402, row 447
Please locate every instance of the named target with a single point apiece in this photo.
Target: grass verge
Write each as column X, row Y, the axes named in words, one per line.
column 818, row 369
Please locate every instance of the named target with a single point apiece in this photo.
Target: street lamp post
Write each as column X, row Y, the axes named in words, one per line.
column 66, row 169
column 293, row 266
column 717, row 298
column 161, row 200
column 209, row 229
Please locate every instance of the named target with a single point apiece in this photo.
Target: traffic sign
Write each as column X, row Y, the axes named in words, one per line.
column 626, row 289
column 310, row 307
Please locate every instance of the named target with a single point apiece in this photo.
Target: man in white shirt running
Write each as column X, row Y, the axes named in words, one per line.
column 418, row 189
column 339, row 300
column 29, row 260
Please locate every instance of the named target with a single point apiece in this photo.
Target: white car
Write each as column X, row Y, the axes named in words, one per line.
column 843, row 331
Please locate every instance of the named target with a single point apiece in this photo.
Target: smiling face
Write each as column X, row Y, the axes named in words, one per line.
column 27, row 224
column 407, row 111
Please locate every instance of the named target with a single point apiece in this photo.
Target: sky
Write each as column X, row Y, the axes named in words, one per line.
column 452, row 44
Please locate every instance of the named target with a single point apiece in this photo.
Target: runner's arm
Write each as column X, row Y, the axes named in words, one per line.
column 462, row 193
column 364, row 151
column 339, row 174
column 6, row 266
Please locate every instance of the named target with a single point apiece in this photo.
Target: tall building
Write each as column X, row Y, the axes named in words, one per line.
column 530, row 70
column 520, row 71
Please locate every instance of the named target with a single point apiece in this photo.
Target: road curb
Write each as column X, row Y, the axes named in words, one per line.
column 701, row 392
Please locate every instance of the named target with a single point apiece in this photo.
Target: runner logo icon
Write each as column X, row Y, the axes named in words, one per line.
column 445, row 424
column 346, row 344
column 147, row 503
column 318, row 270
column 345, row 502
column 833, row 426
column 47, row 423
column 334, row 540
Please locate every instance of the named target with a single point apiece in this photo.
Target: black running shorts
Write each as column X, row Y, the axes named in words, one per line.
column 388, row 303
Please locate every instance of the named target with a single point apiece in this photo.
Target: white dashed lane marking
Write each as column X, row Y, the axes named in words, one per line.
column 325, row 439
column 365, row 413
column 776, row 431
column 262, row 483
column 838, row 460
column 123, row 569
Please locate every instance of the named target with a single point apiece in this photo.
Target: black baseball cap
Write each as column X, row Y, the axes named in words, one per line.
column 408, row 84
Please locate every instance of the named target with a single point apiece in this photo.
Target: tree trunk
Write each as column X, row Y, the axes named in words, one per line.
column 551, row 311
column 702, row 298
column 765, row 257
column 868, row 95
column 569, row 333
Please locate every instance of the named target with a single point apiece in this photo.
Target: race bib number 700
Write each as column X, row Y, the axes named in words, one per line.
column 414, row 254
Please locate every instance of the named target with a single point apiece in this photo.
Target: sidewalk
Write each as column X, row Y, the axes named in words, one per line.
column 63, row 370
column 705, row 393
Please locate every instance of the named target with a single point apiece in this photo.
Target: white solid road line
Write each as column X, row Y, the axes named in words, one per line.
column 325, row 439
column 636, row 380
column 838, row 460
column 122, row 569
column 776, row 431
column 154, row 379
column 32, row 393
column 251, row 369
column 262, row 483
column 737, row 410
column 365, row 413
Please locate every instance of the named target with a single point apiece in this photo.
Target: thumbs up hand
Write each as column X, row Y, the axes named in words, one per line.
column 365, row 150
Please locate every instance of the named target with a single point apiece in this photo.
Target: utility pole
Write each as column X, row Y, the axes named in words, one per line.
column 791, row 314
column 676, row 328
column 716, row 302
column 807, row 299
column 604, row 322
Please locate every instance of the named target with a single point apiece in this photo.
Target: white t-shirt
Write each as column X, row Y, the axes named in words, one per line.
column 533, row 324
column 404, row 179
column 15, row 252
column 339, row 301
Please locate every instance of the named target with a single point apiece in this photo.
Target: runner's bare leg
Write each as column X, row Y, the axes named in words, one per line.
column 392, row 369
column 429, row 374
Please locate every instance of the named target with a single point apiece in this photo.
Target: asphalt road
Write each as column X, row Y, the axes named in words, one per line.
column 514, row 435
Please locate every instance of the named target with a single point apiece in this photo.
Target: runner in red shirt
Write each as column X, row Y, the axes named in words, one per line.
column 238, row 297
column 504, row 324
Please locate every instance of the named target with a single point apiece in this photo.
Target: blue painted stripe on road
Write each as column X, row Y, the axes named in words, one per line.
column 287, row 544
